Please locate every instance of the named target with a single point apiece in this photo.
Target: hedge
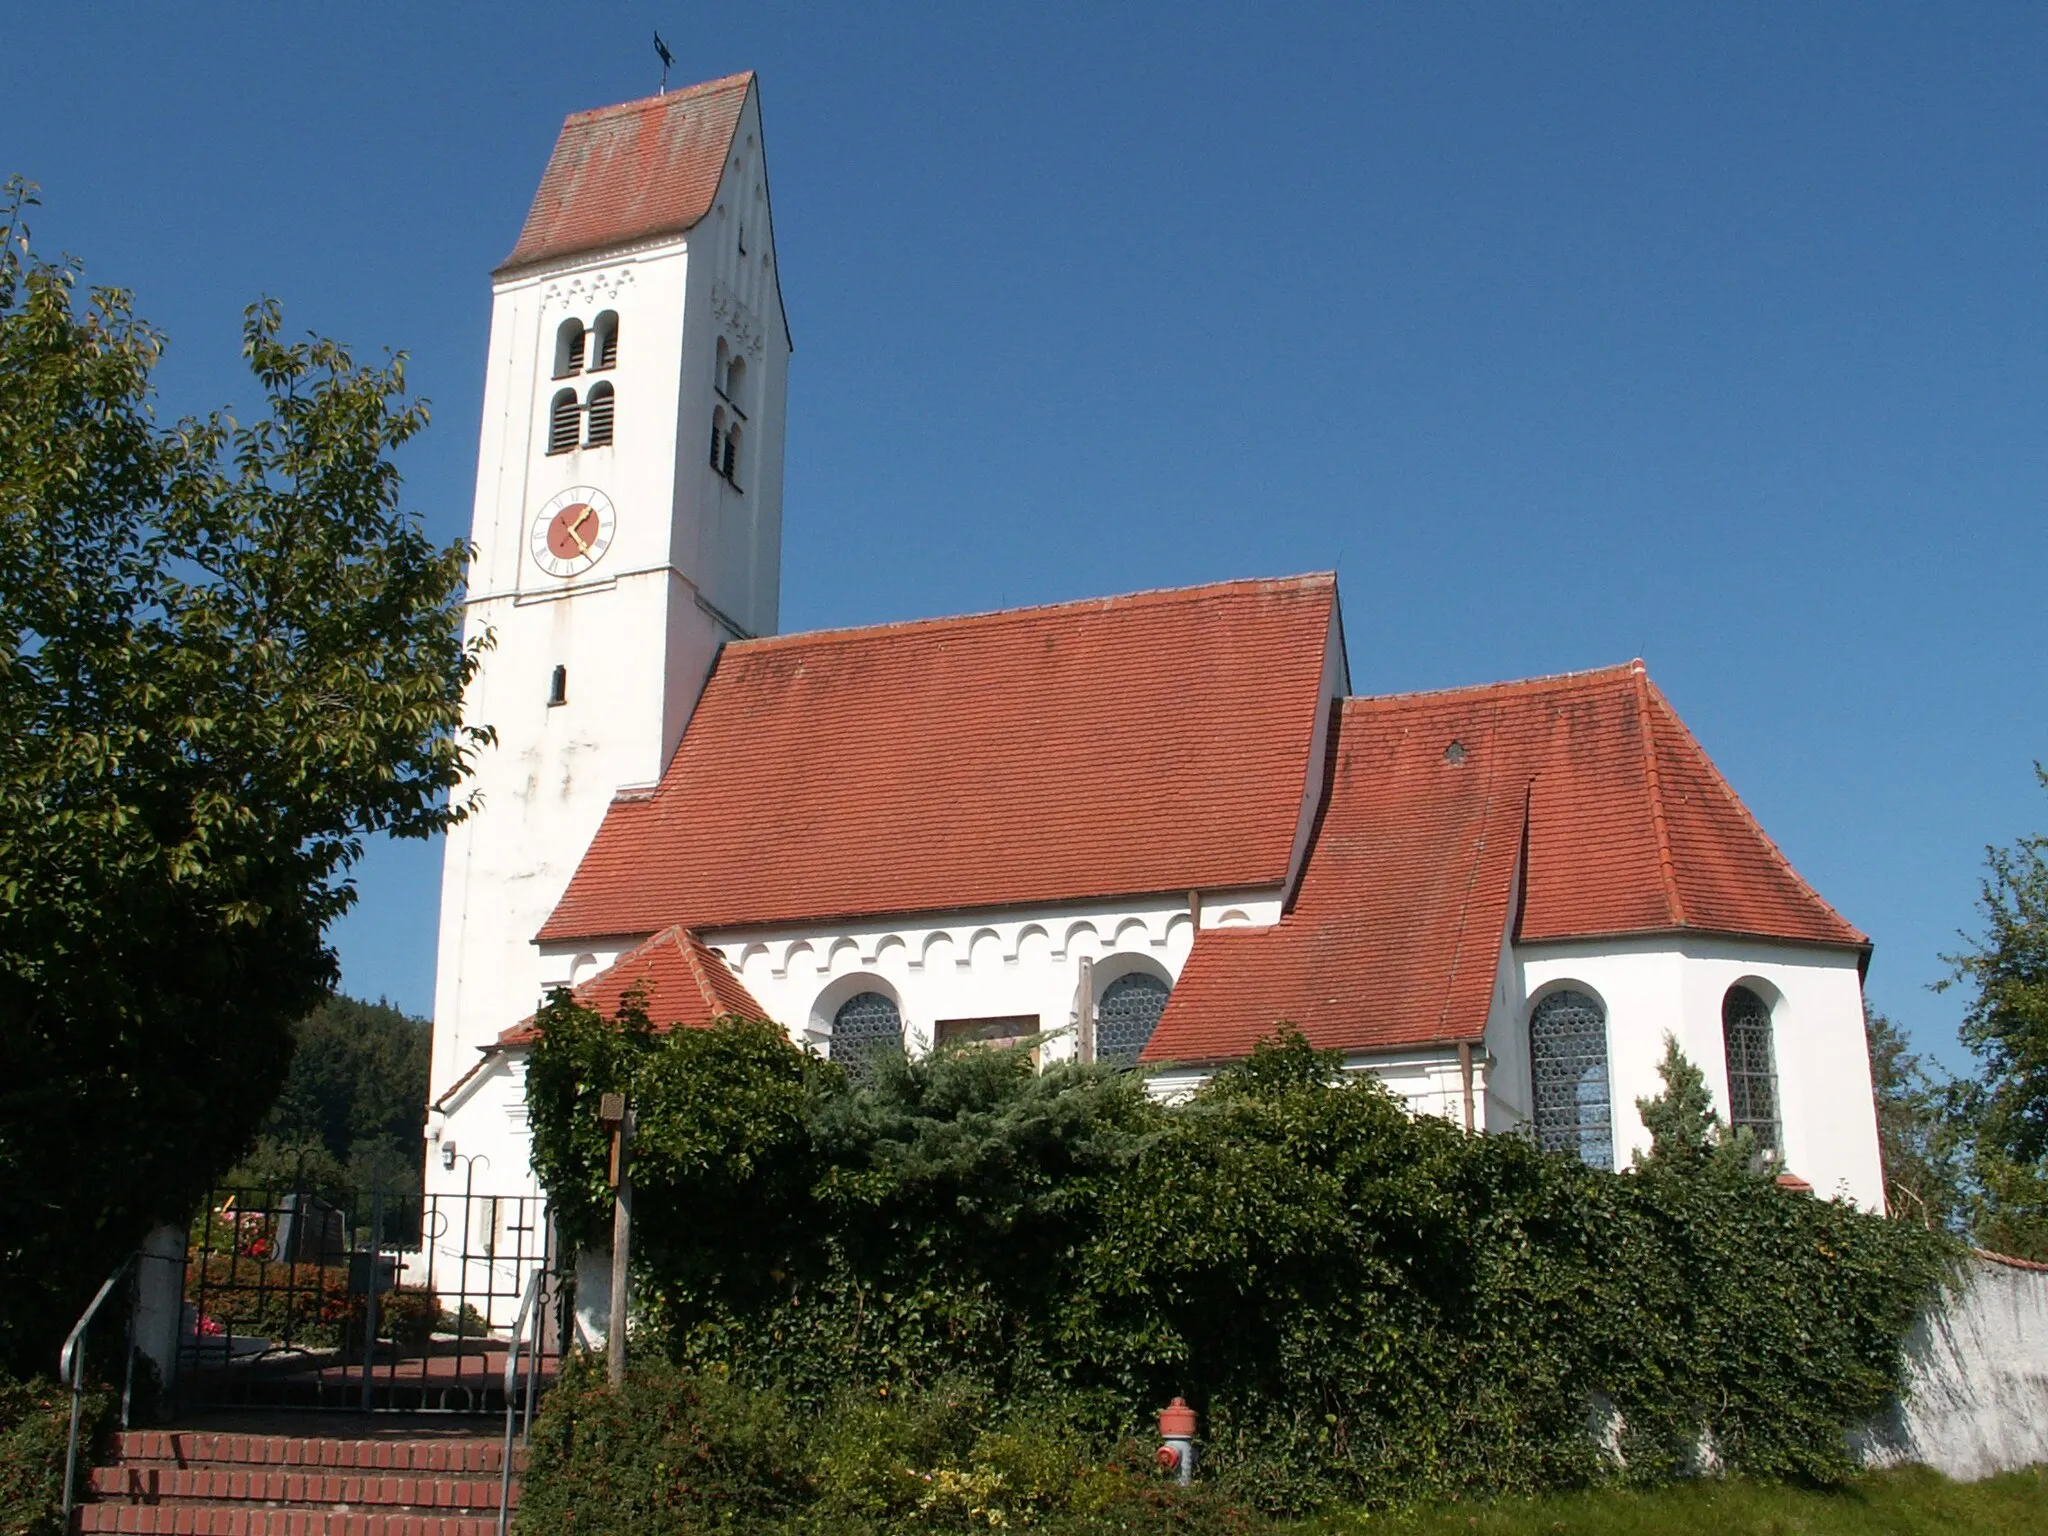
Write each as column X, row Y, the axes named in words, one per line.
column 1364, row 1306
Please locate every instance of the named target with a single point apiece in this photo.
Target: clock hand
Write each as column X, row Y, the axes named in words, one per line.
column 581, row 543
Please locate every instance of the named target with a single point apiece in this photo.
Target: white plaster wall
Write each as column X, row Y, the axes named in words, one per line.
column 1660, row 985
column 1976, row 1399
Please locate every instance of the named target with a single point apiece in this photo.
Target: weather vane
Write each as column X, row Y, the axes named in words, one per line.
column 667, row 59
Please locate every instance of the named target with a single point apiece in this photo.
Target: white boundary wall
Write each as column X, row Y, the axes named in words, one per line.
column 1977, row 1379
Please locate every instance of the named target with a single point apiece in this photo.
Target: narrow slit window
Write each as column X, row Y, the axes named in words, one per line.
column 599, row 414
column 731, row 468
column 722, row 368
column 563, row 422
column 735, row 381
column 558, row 687
column 717, row 438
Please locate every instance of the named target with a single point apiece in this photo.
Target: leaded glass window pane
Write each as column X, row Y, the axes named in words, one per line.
column 866, row 1031
column 1752, row 1069
column 1568, row 1059
column 1127, row 1015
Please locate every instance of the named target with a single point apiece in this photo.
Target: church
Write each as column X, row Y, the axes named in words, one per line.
column 1142, row 829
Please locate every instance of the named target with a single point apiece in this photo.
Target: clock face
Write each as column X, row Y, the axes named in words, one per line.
column 572, row 532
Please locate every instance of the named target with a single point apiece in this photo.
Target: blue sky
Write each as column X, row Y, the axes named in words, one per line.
column 1567, row 333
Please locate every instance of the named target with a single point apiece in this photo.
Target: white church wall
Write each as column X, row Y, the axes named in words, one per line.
column 1657, row 985
column 1014, row 963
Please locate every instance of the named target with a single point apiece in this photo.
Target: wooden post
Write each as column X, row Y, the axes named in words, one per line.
column 614, row 1112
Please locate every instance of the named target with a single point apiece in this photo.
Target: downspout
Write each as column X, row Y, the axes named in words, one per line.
column 1465, row 1076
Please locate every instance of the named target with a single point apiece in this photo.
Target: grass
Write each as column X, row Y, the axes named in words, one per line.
column 1910, row 1502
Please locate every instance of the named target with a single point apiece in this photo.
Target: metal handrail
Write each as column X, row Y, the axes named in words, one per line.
column 71, row 1368
column 527, row 1307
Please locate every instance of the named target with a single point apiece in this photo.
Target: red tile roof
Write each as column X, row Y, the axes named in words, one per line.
column 632, row 172
column 1121, row 746
column 1393, row 938
column 684, row 984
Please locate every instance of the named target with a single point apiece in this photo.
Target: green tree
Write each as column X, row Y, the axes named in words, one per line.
column 348, row 1117
column 227, row 657
column 1684, row 1128
column 2005, row 1025
column 1918, row 1129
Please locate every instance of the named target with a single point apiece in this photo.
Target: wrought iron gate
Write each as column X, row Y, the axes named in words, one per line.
column 401, row 1303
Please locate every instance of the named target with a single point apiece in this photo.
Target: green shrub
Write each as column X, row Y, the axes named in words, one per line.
column 681, row 1452
column 35, row 1423
column 1364, row 1306
column 672, row 1453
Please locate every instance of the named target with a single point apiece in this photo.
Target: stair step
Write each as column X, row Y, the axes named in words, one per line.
column 218, row 1484
column 242, row 1520
column 189, row 1448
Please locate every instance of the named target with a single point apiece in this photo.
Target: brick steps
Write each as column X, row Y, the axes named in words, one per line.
column 197, row 1483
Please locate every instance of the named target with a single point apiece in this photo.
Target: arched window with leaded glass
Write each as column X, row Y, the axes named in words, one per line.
column 1127, row 1015
column 1752, row 1066
column 1568, row 1062
column 866, row 1031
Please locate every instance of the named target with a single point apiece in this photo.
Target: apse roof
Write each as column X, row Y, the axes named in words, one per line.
column 1394, row 937
column 636, row 171
column 1120, row 746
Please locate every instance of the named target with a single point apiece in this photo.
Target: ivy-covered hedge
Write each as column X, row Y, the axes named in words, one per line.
column 1363, row 1305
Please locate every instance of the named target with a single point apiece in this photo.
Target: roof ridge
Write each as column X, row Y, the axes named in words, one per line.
column 1308, row 581
column 1756, row 829
column 693, row 956
column 1471, row 875
column 665, row 98
column 1653, row 785
column 1615, row 670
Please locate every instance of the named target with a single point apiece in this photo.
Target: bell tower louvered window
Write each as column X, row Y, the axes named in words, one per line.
column 866, row 1032
column 605, row 342
column 1752, row 1066
column 569, row 344
column 1568, row 1060
column 599, row 413
column 1127, row 1015
column 563, row 422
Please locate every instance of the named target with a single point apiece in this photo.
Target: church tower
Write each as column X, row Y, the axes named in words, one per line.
column 628, row 516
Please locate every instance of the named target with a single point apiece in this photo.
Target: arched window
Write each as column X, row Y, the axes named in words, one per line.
column 1752, row 1068
column 717, row 437
column 558, row 687
column 735, row 381
column 562, row 422
column 599, row 407
column 722, row 368
column 866, row 1031
column 731, row 468
column 1127, row 1015
column 605, row 345
column 568, row 349
column 1568, row 1060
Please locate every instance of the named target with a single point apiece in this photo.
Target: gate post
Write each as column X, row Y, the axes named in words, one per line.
column 160, row 1301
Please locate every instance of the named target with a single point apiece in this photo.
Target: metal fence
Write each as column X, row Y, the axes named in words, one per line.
column 295, row 1298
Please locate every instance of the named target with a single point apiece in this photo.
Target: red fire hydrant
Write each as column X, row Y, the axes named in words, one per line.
column 1176, row 1453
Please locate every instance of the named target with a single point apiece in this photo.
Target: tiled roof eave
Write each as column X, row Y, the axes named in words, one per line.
column 1695, row 931
column 1268, row 879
